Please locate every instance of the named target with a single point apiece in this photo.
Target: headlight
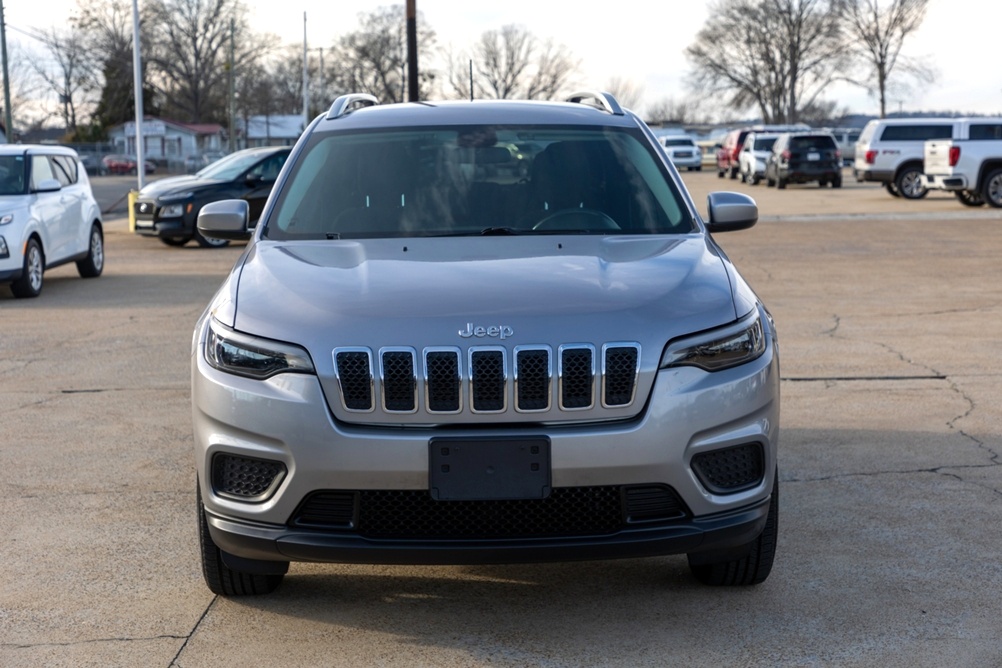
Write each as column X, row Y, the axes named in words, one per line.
column 719, row 349
column 251, row 356
column 6, row 218
column 172, row 211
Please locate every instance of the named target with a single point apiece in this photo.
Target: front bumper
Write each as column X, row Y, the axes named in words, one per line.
column 149, row 224
column 722, row 532
column 690, row 413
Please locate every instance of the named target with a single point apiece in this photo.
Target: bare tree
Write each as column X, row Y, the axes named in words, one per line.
column 107, row 25
column 628, row 92
column 27, row 109
column 880, row 30
column 685, row 111
column 512, row 63
column 190, row 50
column 373, row 59
column 776, row 55
column 69, row 73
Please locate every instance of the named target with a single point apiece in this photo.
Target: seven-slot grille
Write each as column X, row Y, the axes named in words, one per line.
column 484, row 379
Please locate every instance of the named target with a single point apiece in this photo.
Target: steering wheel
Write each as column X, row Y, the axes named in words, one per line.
column 576, row 220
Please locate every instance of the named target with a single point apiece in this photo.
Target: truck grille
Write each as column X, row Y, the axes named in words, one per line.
column 414, row 514
column 486, row 379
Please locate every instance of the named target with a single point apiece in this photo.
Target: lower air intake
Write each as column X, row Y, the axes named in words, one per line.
column 730, row 470
column 245, row 478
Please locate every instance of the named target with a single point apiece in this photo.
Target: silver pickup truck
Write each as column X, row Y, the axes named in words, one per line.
column 970, row 165
column 483, row 332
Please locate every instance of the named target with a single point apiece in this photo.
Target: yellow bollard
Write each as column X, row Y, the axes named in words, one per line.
column 132, row 209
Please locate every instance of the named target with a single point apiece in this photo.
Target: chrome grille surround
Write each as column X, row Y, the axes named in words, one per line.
column 487, row 380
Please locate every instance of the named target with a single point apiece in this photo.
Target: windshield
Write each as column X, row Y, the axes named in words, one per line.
column 12, row 175
column 478, row 180
column 678, row 142
column 232, row 166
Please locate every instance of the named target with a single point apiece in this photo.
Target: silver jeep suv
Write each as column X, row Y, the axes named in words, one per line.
column 483, row 332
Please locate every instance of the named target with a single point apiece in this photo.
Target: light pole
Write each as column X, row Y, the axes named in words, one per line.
column 137, row 84
column 8, row 128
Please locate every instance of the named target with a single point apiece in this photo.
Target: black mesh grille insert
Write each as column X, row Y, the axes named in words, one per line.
column 355, row 377
column 576, row 378
column 413, row 514
column 398, row 381
column 653, row 504
column 244, row 477
column 327, row 510
column 487, row 376
column 533, row 379
column 442, row 368
column 620, row 375
column 730, row 469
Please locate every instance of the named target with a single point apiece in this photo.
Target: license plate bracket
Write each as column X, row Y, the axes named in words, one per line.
column 469, row 469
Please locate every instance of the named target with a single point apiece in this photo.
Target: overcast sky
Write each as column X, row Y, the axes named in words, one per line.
column 636, row 39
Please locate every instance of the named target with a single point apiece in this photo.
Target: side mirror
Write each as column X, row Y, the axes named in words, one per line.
column 730, row 211
column 226, row 219
column 48, row 186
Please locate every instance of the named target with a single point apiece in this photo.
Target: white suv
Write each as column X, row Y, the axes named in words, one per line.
column 890, row 151
column 754, row 154
column 48, row 216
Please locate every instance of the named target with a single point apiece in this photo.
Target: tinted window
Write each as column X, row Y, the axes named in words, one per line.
column 463, row 180
column 12, row 175
column 812, row 143
column 764, row 144
column 986, row 131
column 64, row 169
column 916, row 132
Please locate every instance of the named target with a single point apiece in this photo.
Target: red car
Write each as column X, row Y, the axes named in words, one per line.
column 124, row 164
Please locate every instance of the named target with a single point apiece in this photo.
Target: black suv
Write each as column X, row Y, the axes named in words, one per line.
column 803, row 157
column 168, row 208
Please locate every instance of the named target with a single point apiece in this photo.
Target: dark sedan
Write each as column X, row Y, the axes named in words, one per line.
column 168, row 208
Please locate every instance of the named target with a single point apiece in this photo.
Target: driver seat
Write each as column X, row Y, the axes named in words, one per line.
column 567, row 175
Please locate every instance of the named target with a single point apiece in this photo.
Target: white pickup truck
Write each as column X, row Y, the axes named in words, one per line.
column 970, row 165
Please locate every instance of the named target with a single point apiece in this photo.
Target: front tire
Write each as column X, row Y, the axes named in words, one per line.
column 752, row 568
column 206, row 242
column 220, row 578
column 29, row 284
column 92, row 265
column 909, row 183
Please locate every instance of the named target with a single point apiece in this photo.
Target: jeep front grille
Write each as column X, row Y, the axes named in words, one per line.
column 487, row 379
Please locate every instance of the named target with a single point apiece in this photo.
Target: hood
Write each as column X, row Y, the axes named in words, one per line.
column 174, row 184
column 537, row 290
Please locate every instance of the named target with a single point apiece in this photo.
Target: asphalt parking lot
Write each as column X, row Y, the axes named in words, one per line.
column 888, row 314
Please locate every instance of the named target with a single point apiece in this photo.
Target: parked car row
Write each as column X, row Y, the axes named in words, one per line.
column 804, row 156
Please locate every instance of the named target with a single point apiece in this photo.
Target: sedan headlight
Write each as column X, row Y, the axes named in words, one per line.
column 6, row 218
column 719, row 349
column 172, row 211
column 251, row 356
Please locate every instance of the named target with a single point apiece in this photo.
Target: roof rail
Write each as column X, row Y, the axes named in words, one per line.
column 604, row 100
column 344, row 104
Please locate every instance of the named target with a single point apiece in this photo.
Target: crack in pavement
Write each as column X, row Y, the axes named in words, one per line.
column 205, row 613
column 165, row 636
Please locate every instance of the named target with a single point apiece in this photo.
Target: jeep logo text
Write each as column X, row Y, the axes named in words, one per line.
column 493, row 331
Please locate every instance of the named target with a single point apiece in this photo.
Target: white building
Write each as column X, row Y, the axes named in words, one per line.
column 169, row 140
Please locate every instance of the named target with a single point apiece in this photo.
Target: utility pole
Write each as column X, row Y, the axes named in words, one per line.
column 137, row 85
column 306, row 80
column 7, row 123
column 412, row 68
column 233, row 76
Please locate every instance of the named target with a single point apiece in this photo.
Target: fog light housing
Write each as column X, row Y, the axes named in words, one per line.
column 4, row 251
column 730, row 470
column 245, row 478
